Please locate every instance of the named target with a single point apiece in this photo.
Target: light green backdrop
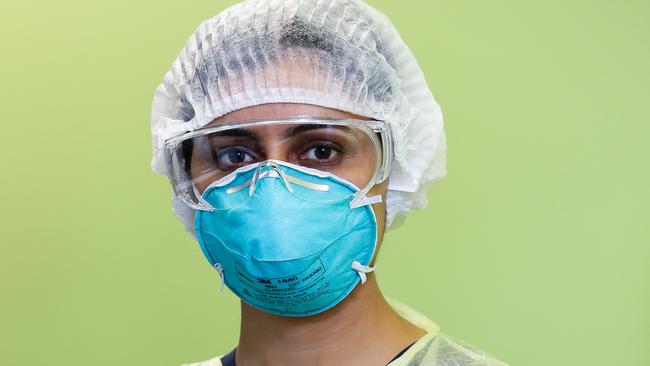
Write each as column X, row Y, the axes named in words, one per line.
column 536, row 247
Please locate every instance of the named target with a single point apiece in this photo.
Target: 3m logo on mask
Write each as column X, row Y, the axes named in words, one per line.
column 285, row 292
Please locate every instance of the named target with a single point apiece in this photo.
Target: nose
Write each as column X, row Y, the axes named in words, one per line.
column 272, row 143
column 276, row 150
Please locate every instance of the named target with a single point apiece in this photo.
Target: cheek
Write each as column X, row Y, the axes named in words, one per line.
column 201, row 186
column 197, row 170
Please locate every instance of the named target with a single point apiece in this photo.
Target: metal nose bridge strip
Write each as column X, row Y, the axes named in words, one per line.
column 274, row 174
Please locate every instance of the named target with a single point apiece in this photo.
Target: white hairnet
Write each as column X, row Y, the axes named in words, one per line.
column 341, row 54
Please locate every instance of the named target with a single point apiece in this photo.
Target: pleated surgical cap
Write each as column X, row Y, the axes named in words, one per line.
column 341, row 54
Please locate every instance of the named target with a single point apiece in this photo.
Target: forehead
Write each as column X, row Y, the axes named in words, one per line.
column 282, row 110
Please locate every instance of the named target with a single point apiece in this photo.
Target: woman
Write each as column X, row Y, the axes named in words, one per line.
column 294, row 134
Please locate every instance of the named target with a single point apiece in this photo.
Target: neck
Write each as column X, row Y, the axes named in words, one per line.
column 361, row 330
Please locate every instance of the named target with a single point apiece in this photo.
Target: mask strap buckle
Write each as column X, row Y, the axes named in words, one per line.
column 362, row 270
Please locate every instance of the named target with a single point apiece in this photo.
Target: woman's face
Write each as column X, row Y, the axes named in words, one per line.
column 354, row 162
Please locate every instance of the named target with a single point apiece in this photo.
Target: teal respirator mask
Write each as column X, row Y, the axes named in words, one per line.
column 282, row 206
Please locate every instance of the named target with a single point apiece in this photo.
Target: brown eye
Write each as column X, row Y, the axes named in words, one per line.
column 321, row 154
column 233, row 157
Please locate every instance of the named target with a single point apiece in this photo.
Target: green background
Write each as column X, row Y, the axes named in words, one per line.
column 536, row 247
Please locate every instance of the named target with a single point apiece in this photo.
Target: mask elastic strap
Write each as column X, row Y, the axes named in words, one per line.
column 219, row 269
column 362, row 270
column 364, row 200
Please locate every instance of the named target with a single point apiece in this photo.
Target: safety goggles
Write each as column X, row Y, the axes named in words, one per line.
column 357, row 151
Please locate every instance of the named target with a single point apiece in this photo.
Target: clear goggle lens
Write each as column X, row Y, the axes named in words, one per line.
column 348, row 149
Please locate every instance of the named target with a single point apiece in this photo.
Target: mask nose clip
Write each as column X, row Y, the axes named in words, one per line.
column 268, row 169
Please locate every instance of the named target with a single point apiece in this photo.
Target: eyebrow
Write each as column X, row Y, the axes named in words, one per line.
column 238, row 132
column 288, row 133
column 293, row 131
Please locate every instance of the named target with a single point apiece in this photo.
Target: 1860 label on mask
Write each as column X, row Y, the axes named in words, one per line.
column 285, row 292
